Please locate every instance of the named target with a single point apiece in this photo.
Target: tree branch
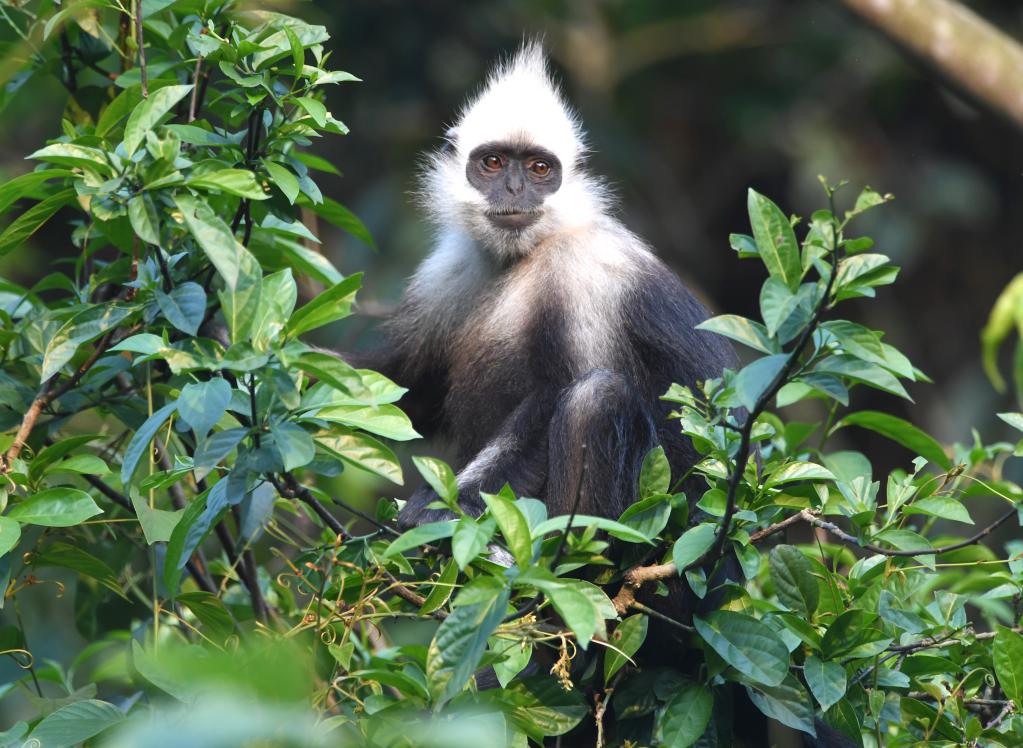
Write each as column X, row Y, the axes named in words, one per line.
column 971, row 53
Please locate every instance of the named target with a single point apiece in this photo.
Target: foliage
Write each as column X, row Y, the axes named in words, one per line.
column 168, row 433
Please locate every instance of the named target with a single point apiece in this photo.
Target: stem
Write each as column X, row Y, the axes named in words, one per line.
column 193, row 107
column 141, row 42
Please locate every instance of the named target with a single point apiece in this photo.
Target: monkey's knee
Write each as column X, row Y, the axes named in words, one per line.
column 599, row 435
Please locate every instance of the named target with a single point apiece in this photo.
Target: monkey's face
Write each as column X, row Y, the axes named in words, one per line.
column 514, row 180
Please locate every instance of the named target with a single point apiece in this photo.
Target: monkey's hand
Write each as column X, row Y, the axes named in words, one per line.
column 417, row 510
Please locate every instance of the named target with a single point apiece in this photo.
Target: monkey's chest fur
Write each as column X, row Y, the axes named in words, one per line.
column 532, row 331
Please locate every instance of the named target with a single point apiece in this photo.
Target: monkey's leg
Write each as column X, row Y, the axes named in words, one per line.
column 599, row 434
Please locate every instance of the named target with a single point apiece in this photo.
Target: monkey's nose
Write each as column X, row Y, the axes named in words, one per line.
column 514, row 186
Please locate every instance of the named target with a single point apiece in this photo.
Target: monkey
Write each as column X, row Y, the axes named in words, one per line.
column 539, row 333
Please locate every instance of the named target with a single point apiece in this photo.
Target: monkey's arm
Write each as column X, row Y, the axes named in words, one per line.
column 516, row 454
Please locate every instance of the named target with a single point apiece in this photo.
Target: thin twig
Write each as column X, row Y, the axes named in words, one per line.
column 141, row 42
column 193, row 106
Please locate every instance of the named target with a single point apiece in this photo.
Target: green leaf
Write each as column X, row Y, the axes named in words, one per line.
column 83, row 464
column 140, row 441
column 827, row 681
column 900, row 431
column 648, row 516
column 202, row 404
column 655, row 475
column 777, row 303
column 188, row 533
column 240, row 182
column 439, row 476
column 742, row 330
column 10, row 534
column 685, row 718
column 457, row 647
column 786, row 702
column 364, row 452
column 284, row 179
column 294, row 443
column 385, row 420
column 1004, row 317
column 421, row 535
column 14, row 189
column 1007, row 653
column 241, row 272
column 945, row 507
column 577, row 609
column 87, row 325
column 797, row 471
column 748, row 645
column 615, row 529
column 55, row 507
column 470, row 538
column 513, row 526
column 49, row 455
column 75, row 723
column 83, row 157
column 627, row 638
column 1013, row 419
column 157, row 524
column 794, row 581
column 333, row 304
column 148, row 114
column 22, row 227
column 214, row 449
column 692, row 544
column 144, row 219
column 776, row 241
column 184, row 307
column 337, row 214
column 753, row 381
column 442, row 589
column 314, row 109
column 67, row 556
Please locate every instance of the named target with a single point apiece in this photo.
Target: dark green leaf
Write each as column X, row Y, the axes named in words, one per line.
column 692, row 544
column 748, row 645
column 685, row 717
column 1007, row 654
column 75, row 723
column 827, row 681
column 184, row 307
column 458, row 645
column 140, row 441
column 627, row 638
column 794, row 582
column 899, row 431
column 202, row 404
column 22, row 227
column 55, row 507
column 786, row 702
column 754, row 379
column 294, row 443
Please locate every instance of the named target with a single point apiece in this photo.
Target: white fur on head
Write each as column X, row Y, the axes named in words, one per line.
column 520, row 103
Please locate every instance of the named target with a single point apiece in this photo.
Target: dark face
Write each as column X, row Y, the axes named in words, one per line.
column 515, row 180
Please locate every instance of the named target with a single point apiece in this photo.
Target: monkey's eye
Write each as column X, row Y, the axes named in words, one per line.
column 540, row 168
column 492, row 162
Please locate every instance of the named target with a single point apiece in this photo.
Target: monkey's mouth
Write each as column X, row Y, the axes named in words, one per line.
column 513, row 219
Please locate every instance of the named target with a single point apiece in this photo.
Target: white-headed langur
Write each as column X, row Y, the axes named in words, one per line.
column 539, row 333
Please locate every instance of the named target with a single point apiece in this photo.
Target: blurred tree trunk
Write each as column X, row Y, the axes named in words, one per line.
column 984, row 61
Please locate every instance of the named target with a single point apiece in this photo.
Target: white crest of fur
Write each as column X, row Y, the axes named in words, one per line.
column 520, row 103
